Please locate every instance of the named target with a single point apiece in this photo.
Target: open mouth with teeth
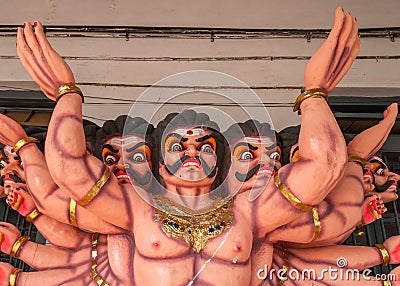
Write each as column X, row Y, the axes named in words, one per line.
column 265, row 171
column 191, row 163
column 8, row 182
column 123, row 176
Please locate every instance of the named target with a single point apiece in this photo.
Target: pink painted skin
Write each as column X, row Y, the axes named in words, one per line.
column 41, row 186
column 60, row 266
column 321, row 142
column 57, row 233
column 318, row 259
column 378, row 208
column 341, row 210
column 348, row 192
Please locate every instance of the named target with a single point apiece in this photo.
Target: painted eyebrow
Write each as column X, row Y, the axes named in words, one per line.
column 182, row 139
column 17, row 158
column 3, row 155
column 251, row 147
column 273, row 146
column 204, row 138
column 295, row 150
column 135, row 146
column 111, row 148
column 379, row 163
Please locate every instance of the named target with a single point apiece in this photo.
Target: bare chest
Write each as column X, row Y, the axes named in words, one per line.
column 232, row 244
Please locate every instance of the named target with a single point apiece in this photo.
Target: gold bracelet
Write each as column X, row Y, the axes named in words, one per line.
column 387, row 283
column 289, row 196
column 317, row 224
column 14, row 276
column 17, row 245
column 358, row 160
column 21, row 143
column 307, row 94
column 33, row 215
column 72, row 213
column 384, row 253
column 68, row 88
column 373, row 211
column 94, row 191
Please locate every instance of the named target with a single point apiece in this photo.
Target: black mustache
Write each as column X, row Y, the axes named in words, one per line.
column 245, row 177
column 140, row 180
column 384, row 187
column 209, row 171
column 172, row 169
column 15, row 178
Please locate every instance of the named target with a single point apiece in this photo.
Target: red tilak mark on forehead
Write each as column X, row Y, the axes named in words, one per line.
column 259, row 140
column 189, row 132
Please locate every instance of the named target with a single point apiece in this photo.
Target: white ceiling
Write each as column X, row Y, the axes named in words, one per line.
column 113, row 71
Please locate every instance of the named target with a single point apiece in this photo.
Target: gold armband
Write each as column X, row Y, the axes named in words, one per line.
column 358, row 160
column 307, row 94
column 33, row 215
column 384, row 253
column 21, row 143
column 317, row 224
column 68, row 88
column 17, row 245
column 14, row 276
column 298, row 204
column 289, row 196
column 72, row 213
column 94, row 191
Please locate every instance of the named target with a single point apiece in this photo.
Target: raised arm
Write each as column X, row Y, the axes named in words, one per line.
column 368, row 142
column 323, row 149
column 70, row 167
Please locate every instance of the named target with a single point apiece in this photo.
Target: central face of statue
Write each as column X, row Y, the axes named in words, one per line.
column 189, row 158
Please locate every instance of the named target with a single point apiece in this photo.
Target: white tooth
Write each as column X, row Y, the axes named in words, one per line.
column 122, row 176
column 190, row 164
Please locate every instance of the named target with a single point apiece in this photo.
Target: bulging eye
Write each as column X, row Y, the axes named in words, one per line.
column 274, row 155
column 110, row 159
column 138, row 157
column 380, row 172
column 247, row 155
column 176, row 147
column 21, row 165
column 3, row 164
column 207, row 148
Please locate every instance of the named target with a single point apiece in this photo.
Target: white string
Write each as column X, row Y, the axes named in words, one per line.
column 212, row 256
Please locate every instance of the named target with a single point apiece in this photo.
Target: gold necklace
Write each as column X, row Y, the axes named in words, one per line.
column 194, row 227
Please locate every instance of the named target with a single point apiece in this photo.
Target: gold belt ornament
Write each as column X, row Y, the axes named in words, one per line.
column 194, row 227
